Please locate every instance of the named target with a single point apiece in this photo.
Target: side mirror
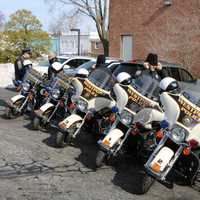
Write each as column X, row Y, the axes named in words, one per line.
column 67, row 66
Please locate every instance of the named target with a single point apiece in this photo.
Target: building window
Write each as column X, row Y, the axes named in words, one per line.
column 97, row 45
column 127, row 47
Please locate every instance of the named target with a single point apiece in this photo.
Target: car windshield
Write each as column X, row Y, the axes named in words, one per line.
column 130, row 68
column 195, row 100
column 147, row 85
column 62, row 60
column 102, row 78
column 88, row 65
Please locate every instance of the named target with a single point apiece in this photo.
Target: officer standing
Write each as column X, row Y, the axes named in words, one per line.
column 20, row 69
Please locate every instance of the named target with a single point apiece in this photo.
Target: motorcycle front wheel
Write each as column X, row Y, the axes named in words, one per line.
column 64, row 139
column 61, row 140
column 10, row 113
column 36, row 123
column 100, row 158
column 144, row 184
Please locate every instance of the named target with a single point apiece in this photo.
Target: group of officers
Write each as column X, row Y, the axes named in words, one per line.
column 151, row 64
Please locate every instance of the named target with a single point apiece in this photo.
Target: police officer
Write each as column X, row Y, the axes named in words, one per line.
column 20, row 69
column 52, row 59
column 152, row 65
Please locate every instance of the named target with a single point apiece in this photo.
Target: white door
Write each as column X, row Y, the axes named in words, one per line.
column 127, row 47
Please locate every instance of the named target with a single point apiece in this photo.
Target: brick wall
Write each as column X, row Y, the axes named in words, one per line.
column 96, row 49
column 173, row 32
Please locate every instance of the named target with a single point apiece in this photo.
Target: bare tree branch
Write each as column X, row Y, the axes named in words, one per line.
column 97, row 10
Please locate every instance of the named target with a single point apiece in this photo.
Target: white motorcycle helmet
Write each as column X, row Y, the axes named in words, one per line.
column 169, row 84
column 57, row 66
column 124, row 78
column 27, row 63
column 82, row 72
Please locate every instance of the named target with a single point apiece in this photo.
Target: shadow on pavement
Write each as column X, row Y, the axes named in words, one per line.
column 50, row 141
column 12, row 89
column 129, row 175
column 88, row 147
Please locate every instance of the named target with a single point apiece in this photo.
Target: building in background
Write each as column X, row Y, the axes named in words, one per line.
column 166, row 27
column 67, row 44
column 96, row 44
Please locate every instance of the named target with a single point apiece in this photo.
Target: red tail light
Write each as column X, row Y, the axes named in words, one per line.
column 112, row 118
column 193, row 144
column 61, row 103
column 72, row 106
column 159, row 134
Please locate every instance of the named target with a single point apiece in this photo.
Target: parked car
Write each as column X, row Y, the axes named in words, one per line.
column 111, row 64
column 68, row 62
column 185, row 78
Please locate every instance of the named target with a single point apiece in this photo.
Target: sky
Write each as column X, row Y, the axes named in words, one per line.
column 40, row 9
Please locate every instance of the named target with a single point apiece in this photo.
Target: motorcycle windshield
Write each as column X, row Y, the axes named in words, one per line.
column 60, row 81
column 102, row 79
column 32, row 76
column 147, row 84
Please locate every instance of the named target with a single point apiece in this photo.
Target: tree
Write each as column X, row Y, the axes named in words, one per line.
column 23, row 30
column 98, row 11
column 63, row 23
column 1, row 20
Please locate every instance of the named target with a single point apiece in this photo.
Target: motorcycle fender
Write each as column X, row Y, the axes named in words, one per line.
column 16, row 98
column 162, row 159
column 45, row 107
column 112, row 138
column 66, row 123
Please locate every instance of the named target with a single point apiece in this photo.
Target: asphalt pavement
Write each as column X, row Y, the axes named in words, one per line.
column 32, row 168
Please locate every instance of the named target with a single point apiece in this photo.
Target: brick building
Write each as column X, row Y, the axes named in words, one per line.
column 138, row 27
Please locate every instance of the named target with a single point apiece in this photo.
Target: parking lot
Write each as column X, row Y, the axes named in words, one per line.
column 31, row 168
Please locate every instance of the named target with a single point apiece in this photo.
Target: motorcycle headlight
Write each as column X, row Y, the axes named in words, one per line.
column 82, row 105
column 26, row 86
column 56, row 93
column 178, row 133
column 126, row 117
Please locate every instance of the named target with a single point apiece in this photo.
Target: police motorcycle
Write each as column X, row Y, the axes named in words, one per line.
column 93, row 102
column 29, row 96
column 132, row 95
column 55, row 108
column 176, row 157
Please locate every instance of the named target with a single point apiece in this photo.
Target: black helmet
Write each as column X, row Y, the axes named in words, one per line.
column 152, row 59
column 26, row 50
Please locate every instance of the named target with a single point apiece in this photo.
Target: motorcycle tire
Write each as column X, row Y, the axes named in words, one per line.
column 144, row 184
column 9, row 114
column 100, row 158
column 36, row 123
column 61, row 140
column 196, row 182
